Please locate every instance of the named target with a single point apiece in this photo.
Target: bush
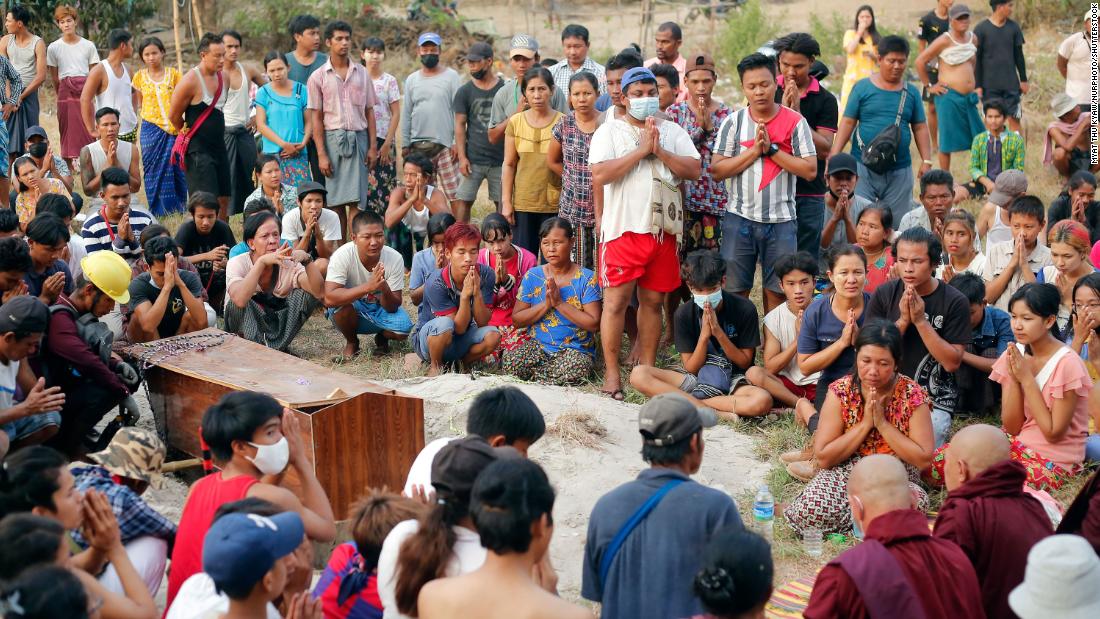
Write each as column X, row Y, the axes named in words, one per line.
column 829, row 33
column 95, row 17
column 267, row 21
column 746, row 28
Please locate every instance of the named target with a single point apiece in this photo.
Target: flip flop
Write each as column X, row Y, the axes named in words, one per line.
column 616, row 394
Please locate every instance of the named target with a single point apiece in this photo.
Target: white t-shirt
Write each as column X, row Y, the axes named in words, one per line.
column 294, row 229
column 345, row 268
column 780, row 321
column 467, row 555
column 73, row 60
column 417, row 221
column 977, row 266
column 76, row 254
column 626, row 202
column 1075, row 49
column 420, row 473
column 198, row 599
column 8, row 373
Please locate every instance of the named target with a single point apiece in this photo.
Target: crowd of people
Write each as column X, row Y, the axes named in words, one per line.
column 632, row 208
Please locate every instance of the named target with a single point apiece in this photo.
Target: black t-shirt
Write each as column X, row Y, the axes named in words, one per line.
column 477, row 105
column 948, row 311
column 1061, row 208
column 930, row 27
column 142, row 290
column 997, row 67
column 819, row 107
column 737, row 316
column 192, row 243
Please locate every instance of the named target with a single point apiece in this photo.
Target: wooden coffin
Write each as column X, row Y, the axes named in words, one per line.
column 358, row 434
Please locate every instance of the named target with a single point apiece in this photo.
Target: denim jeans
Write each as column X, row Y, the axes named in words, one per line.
column 893, row 189
column 811, row 219
column 746, row 242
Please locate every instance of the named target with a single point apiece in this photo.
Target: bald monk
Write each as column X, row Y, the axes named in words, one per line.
column 988, row 513
column 908, row 573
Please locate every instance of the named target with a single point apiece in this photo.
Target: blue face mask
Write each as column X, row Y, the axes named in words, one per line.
column 644, row 107
column 713, row 298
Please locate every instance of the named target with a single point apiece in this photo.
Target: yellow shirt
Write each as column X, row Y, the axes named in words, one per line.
column 26, row 203
column 860, row 64
column 156, row 97
column 536, row 189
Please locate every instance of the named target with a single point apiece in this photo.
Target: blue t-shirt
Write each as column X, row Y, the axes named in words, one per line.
column 423, row 265
column 820, row 328
column 441, row 295
column 876, row 109
column 554, row 331
column 285, row 115
column 35, row 281
column 603, row 102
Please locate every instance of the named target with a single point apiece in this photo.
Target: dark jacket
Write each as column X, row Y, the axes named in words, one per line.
column 1083, row 516
column 66, row 353
column 995, row 523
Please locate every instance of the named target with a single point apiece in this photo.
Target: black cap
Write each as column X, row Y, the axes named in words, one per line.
column 309, row 187
column 479, row 51
column 24, row 313
column 458, row 464
column 841, row 162
column 36, row 131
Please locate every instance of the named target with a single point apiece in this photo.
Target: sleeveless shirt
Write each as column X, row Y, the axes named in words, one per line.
column 119, row 95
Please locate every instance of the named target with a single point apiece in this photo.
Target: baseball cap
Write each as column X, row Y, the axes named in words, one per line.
column 430, row 37
column 135, row 453
column 958, row 10
column 38, row 131
column 669, row 418
column 699, row 62
column 458, row 464
column 637, row 74
column 841, row 162
column 1088, row 15
column 310, row 187
column 240, row 548
column 24, row 313
column 523, row 45
column 1062, row 104
column 479, row 51
column 1009, row 184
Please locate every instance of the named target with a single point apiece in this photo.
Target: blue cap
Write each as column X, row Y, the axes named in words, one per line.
column 430, row 37
column 637, row 74
column 240, row 548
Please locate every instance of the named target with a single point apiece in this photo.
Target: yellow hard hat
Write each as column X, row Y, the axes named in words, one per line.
column 109, row 272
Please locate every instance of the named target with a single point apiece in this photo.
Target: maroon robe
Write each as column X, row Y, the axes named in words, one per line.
column 995, row 523
column 939, row 572
column 1083, row 516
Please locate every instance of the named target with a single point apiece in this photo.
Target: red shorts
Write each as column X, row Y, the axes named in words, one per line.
column 802, row 391
column 640, row 257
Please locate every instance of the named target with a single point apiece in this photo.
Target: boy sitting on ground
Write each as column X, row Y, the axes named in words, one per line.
column 1011, row 264
column 458, row 299
column 166, row 300
column 363, row 288
column 780, row 375
column 36, row 418
column 992, row 335
column 206, row 241
column 716, row 337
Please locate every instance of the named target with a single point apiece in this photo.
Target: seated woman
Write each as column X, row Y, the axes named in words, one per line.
column 510, row 263
column 273, row 186
column 874, row 410
column 1068, row 241
column 557, row 312
column 272, row 289
column 960, row 242
column 873, row 230
column 735, row 580
column 31, row 186
column 1084, row 339
column 411, row 204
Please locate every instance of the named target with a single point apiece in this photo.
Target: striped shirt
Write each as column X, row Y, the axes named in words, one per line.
column 11, row 85
column 99, row 235
column 764, row 192
column 562, row 72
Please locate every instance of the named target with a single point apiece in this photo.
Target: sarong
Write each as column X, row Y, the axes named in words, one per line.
column 165, row 184
column 274, row 328
column 295, row 169
column 74, row 136
column 347, row 150
column 382, row 179
column 959, row 120
column 240, row 147
column 24, row 118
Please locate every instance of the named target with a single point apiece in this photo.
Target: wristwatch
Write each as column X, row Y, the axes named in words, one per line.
column 773, row 148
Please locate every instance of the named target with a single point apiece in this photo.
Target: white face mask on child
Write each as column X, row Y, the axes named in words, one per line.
column 271, row 459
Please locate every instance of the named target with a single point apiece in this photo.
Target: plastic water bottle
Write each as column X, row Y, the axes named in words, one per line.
column 763, row 511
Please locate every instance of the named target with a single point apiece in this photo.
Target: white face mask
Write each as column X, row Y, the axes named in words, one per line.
column 271, row 459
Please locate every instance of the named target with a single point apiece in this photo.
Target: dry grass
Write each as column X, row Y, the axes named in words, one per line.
column 579, row 428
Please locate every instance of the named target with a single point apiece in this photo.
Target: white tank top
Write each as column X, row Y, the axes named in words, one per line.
column 998, row 232
column 207, row 96
column 417, row 221
column 236, row 101
column 23, row 59
column 125, row 154
column 119, row 95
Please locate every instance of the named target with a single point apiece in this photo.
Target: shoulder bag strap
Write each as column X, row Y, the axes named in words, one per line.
column 901, row 104
column 179, row 150
column 631, row 523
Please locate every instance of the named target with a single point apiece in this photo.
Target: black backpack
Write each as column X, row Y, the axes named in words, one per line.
column 882, row 152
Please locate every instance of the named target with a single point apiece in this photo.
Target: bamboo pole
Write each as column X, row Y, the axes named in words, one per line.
column 176, row 34
column 198, row 18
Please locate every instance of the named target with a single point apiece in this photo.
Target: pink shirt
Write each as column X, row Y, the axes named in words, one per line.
column 238, row 267
column 344, row 103
column 681, row 63
column 1064, row 371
